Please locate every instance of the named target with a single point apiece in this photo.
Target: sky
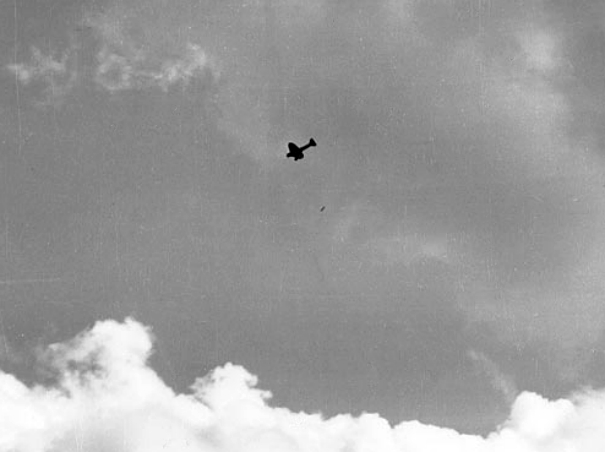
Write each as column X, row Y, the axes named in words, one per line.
column 152, row 228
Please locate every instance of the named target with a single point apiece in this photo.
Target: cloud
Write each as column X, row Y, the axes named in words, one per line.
column 57, row 76
column 123, row 62
column 106, row 398
column 501, row 382
column 130, row 58
column 539, row 48
column 41, row 66
column 116, row 72
column 407, row 248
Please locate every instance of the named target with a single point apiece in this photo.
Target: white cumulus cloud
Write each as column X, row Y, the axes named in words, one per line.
column 106, row 398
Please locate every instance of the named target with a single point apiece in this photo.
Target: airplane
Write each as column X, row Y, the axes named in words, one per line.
column 297, row 153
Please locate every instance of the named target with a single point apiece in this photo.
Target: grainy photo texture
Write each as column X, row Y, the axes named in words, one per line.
column 302, row 225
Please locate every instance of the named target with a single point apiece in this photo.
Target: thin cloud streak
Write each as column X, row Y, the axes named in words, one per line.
column 501, row 382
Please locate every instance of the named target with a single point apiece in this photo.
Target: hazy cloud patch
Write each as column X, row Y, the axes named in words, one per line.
column 139, row 50
column 501, row 382
column 56, row 75
column 124, row 60
column 116, row 72
column 41, row 66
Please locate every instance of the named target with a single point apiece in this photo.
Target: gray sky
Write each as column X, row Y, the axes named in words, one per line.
column 459, row 258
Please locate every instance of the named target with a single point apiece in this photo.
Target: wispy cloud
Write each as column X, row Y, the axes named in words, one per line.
column 57, row 75
column 129, row 60
column 116, row 72
column 122, row 63
column 501, row 382
column 106, row 397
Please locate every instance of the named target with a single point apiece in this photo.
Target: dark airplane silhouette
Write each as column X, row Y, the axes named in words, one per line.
column 297, row 153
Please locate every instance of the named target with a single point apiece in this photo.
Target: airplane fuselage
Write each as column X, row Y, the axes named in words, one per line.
column 297, row 152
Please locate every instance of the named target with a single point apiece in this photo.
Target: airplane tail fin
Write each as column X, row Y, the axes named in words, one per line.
column 312, row 142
